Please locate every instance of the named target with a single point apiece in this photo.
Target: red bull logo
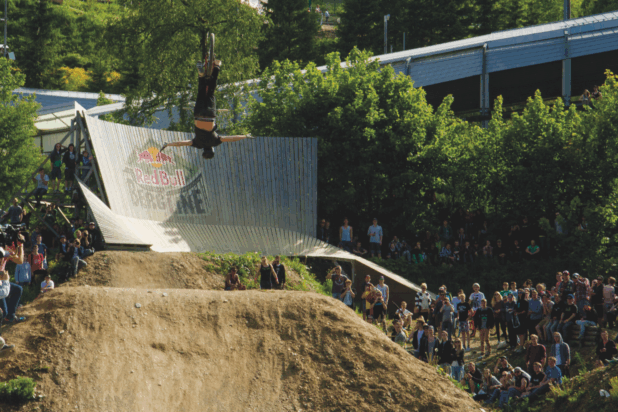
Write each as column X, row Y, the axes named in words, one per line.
column 160, row 178
column 154, row 157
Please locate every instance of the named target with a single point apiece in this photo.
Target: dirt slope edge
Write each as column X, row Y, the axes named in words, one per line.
column 196, row 350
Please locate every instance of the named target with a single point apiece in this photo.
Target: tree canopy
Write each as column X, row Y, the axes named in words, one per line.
column 18, row 155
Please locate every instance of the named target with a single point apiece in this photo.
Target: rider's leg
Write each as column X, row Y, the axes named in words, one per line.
column 181, row 143
column 234, row 138
column 206, row 103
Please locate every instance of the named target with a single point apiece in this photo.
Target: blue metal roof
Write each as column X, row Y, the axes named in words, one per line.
column 55, row 100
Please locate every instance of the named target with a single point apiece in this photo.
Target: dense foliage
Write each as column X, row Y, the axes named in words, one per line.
column 384, row 152
column 18, row 155
column 17, row 390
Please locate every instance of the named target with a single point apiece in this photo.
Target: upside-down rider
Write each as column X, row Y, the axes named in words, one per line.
column 205, row 113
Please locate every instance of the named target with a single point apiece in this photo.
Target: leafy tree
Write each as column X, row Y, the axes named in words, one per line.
column 163, row 42
column 290, row 33
column 18, row 154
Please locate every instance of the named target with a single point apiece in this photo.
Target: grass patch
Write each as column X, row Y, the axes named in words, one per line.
column 17, row 390
column 247, row 265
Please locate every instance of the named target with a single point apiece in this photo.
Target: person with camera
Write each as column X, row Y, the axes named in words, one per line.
column 15, row 213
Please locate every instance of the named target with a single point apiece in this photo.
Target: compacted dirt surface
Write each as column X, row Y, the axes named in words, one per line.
column 149, row 346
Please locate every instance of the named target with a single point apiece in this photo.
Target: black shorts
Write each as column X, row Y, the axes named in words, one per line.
column 205, row 102
column 204, row 139
column 69, row 175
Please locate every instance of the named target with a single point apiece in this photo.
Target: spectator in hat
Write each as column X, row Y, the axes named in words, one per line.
column 375, row 234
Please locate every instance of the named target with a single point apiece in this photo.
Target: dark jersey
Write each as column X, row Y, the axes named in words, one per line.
column 265, row 277
column 204, row 139
column 462, row 309
column 568, row 311
column 536, row 378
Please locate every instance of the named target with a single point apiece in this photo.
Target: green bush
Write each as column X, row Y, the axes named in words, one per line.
column 17, row 390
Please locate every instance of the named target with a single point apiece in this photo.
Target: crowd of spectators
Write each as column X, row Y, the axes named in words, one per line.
column 534, row 321
column 463, row 239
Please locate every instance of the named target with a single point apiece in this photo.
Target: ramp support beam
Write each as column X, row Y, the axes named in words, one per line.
column 566, row 71
column 484, row 88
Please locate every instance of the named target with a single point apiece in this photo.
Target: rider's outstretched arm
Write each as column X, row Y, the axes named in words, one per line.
column 235, row 138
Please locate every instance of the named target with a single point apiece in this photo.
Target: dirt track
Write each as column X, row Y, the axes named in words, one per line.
column 201, row 350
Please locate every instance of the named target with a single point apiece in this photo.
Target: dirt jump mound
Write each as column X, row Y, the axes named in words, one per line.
column 117, row 349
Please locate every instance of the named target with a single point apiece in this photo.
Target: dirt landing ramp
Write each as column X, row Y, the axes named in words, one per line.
column 198, row 351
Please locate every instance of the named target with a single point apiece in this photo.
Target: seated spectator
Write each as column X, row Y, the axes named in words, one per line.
column 358, row 250
column 446, row 255
column 42, row 181
column 399, row 335
column 72, row 257
column 506, row 380
column 488, row 250
column 516, row 251
column 502, row 365
column 418, row 255
column 445, row 233
column 63, row 249
column 596, row 94
column 46, row 285
column 500, row 252
column 433, row 255
column 606, row 349
column 232, row 281
column 522, row 380
column 392, row 252
column 86, row 164
column 536, row 378
column 490, row 384
column 470, row 253
column 86, row 244
column 553, row 376
column 568, row 317
column 97, row 238
column 457, row 253
column 404, row 315
column 533, row 251
column 347, row 296
column 10, row 294
column 589, row 318
column 474, row 378
column 405, row 251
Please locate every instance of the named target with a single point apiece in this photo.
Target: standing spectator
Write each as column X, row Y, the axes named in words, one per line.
column 279, row 271
column 516, row 251
column 86, row 241
column 462, row 238
column 423, row 301
column 562, row 353
column 358, row 250
column 521, row 315
column 363, row 302
column 345, row 236
column 582, row 291
column 463, row 309
column 326, row 16
column 382, row 287
column 42, row 181
column 469, row 253
column 418, row 335
column 535, row 314
column 474, row 378
column 568, row 317
column 512, row 322
column 15, row 213
column 497, row 305
column 609, row 295
column 328, row 231
column 535, row 353
column 445, row 232
column 379, row 310
column 445, row 352
column 321, row 232
column 484, row 321
column 267, row 274
column 399, row 334
column 447, row 310
column 36, row 261
column 596, row 298
column 567, row 287
column 70, row 161
column 76, row 261
column 97, row 238
column 458, row 361
column 606, row 349
column 55, row 159
column 488, row 250
column 500, row 252
column 375, row 238
column 533, row 251
column 86, row 163
column 23, row 272
column 475, row 301
column 429, row 346
column 433, row 255
column 338, row 281
column 583, row 226
column 556, row 314
column 589, row 318
column 457, row 253
column 347, row 296
column 368, row 300
column 585, row 98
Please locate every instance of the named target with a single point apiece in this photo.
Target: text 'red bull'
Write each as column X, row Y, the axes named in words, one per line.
column 160, row 178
